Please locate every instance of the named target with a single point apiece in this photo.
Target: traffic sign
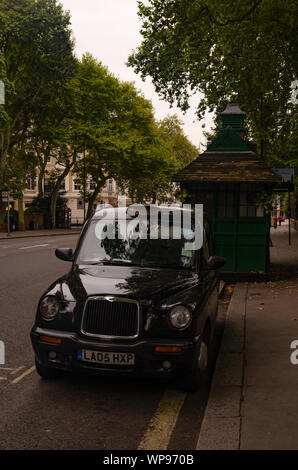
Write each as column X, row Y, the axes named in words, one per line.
column 4, row 194
column 287, row 174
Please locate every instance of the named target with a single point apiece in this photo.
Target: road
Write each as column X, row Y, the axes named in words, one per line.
column 76, row 412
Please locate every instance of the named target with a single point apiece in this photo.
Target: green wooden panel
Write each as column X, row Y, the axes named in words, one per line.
column 252, row 226
column 242, row 241
column 251, row 258
column 225, row 225
column 229, row 253
column 224, row 239
column 251, row 240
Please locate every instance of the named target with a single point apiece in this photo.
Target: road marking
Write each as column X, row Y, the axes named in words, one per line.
column 162, row 424
column 3, row 378
column 27, row 372
column 6, row 368
column 33, row 246
column 15, row 371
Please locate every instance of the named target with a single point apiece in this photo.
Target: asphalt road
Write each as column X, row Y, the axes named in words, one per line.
column 75, row 412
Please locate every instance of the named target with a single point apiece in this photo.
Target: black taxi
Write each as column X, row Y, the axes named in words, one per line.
column 129, row 305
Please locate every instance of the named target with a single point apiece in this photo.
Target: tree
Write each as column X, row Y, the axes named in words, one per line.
column 228, row 50
column 122, row 139
column 172, row 133
column 150, row 178
column 115, row 122
column 20, row 168
column 36, row 58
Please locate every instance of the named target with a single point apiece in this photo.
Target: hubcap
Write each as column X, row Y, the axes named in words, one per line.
column 203, row 357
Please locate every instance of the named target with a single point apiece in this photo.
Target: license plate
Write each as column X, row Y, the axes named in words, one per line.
column 101, row 357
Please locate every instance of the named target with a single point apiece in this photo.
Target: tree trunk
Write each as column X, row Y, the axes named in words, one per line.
column 21, row 222
column 92, row 199
column 53, row 205
column 41, row 174
column 56, row 191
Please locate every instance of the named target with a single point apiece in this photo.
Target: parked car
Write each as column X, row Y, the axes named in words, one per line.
column 129, row 307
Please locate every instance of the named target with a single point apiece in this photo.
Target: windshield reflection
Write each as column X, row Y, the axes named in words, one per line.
column 133, row 250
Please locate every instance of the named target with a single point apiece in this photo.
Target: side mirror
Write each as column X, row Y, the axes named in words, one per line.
column 216, row 262
column 64, row 253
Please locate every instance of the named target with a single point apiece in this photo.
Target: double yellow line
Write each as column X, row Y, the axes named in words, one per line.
column 20, row 377
column 163, row 422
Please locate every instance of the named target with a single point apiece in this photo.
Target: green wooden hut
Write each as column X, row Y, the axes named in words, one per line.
column 227, row 179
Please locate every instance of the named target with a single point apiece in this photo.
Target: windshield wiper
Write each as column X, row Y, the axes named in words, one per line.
column 115, row 261
column 120, row 260
column 154, row 264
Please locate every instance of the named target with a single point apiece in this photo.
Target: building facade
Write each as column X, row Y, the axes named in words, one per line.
column 71, row 191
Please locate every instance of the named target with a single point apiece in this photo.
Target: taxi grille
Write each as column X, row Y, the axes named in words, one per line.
column 111, row 317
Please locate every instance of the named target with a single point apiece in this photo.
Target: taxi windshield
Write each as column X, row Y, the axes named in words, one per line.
column 132, row 249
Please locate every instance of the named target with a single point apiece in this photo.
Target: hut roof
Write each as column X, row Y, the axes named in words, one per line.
column 229, row 158
column 228, row 166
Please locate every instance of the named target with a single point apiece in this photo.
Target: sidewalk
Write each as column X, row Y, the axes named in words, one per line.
column 252, row 403
column 40, row 233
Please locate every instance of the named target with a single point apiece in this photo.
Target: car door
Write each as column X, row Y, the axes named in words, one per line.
column 209, row 278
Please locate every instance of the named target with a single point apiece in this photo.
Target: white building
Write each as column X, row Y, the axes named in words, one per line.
column 71, row 190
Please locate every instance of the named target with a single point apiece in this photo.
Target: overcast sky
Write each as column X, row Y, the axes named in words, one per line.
column 109, row 29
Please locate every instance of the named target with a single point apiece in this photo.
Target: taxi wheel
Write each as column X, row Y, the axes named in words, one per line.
column 195, row 378
column 46, row 372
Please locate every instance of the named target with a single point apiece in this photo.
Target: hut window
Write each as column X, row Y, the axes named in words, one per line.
column 260, row 212
column 225, row 204
column 248, row 207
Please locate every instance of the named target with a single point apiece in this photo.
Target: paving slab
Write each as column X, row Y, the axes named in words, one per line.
column 229, row 370
column 220, row 434
column 252, row 403
column 221, row 425
column 269, row 411
column 224, row 402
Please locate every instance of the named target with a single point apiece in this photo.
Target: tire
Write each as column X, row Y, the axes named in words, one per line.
column 46, row 372
column 195, row 378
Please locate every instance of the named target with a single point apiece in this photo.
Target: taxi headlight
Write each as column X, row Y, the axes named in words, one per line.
column 180, row 316
column 49, row 307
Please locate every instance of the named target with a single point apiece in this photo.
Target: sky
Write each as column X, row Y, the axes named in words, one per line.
column 109, row 30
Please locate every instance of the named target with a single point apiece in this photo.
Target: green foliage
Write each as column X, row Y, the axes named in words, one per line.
column 122, row 139
column 33, row 210
column 266, row 200
column 35, row 60
column 43, row 204
column 229, row 50
column 61, row 107
column 149, row 174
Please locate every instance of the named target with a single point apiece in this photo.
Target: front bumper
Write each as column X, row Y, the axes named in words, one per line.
column 147, row 360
